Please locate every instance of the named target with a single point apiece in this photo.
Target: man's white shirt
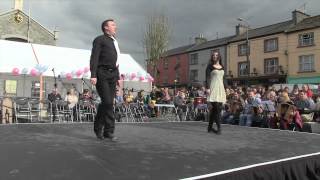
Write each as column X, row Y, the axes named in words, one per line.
column 116, row 45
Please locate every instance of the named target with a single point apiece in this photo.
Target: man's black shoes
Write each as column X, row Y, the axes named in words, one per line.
column 111, row 137
column 211, row 130
column 99, row 135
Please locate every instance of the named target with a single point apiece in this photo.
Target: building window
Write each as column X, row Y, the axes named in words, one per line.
column 306, row 39
column 35, row 89
column 10, row 87
column 271, row 45
column 194, row 59
column 306, row 63
column 271, row 65
column 178, row 60
column 242, row 49
column 177, row 76
column 165, row 63
column 243, row 68
column 194, row 75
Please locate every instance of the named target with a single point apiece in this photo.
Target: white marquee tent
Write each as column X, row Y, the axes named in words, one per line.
column 26, row 56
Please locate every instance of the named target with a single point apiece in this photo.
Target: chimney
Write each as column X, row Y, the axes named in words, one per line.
column 18, row 4
column 200, row 39
column 240, row 29
column 298, row 16
column 56, row 33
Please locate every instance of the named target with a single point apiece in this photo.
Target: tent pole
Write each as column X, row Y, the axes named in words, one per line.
column 41, row 87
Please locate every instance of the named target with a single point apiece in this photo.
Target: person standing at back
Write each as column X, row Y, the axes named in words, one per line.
column 217, row 96
column 104, row 69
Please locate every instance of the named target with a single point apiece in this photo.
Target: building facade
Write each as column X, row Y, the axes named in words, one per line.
column 16, row 25
column 274, row 53
column 172, row 69
column 200, row 55
column 285, row 52
column 304, row 52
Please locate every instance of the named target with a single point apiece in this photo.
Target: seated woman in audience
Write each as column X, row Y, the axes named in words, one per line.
column 87, row 106
column 166, row 99
column 269, row 107
column 71, row 98
column 307, row 90
column 140, row 98
column 287, row 114
column 234, row 108
column 180, row 103
column 129, row 97
column 87, row 99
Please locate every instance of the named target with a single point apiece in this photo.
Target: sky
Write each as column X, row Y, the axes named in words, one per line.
column 79, row 21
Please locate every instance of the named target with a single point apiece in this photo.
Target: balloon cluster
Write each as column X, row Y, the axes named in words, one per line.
column 136, row 77
column 41, row 68
column 82, row 72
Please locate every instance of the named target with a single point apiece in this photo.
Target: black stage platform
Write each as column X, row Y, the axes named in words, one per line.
column 163, row 151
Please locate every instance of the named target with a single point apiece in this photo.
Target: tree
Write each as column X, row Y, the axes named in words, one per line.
column 156, row 40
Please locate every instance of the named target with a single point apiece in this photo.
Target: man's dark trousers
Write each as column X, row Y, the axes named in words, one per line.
column 106, row 87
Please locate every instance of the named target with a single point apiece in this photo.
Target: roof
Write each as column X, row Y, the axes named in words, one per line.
column 19, row 11
column 264, row 31
column 178, row 50
column 211, row 44
column 194, row 47
column 308, row 23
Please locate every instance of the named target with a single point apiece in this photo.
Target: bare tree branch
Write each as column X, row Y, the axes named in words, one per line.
column 156, row 39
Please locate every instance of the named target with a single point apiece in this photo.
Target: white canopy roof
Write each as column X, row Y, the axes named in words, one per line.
column 26, row 56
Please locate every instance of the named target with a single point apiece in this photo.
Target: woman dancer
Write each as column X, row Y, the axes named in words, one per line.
column 217, row 96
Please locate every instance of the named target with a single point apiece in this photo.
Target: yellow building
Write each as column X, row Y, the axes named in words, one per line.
column 304, row 51
column 285, row 52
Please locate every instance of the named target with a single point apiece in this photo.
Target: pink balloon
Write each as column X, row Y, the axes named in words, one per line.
column 33, row 72
column 133, row 75
column 79, row 72
column 141, row 78
column 15, row 71
column 86, row 69
column 69, row 76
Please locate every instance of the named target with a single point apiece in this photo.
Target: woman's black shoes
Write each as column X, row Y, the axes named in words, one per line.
column 214, row 131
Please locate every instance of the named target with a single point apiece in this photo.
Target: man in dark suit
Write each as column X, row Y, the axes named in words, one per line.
column 105, row 75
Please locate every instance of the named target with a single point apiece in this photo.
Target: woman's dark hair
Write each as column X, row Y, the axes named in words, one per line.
column 211, row 59
column 105, row 23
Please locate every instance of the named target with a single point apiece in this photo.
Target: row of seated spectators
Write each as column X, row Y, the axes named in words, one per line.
column 257, row 106
column 270, row 108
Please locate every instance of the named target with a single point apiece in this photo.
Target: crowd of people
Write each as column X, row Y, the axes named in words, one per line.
column 72, row 102
column 245, row 106
column 256, row 106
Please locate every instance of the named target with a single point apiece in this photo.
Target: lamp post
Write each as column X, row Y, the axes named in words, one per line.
column 247, row 42
column 175, row 86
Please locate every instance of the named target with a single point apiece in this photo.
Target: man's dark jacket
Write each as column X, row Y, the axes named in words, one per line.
column 103, row 54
